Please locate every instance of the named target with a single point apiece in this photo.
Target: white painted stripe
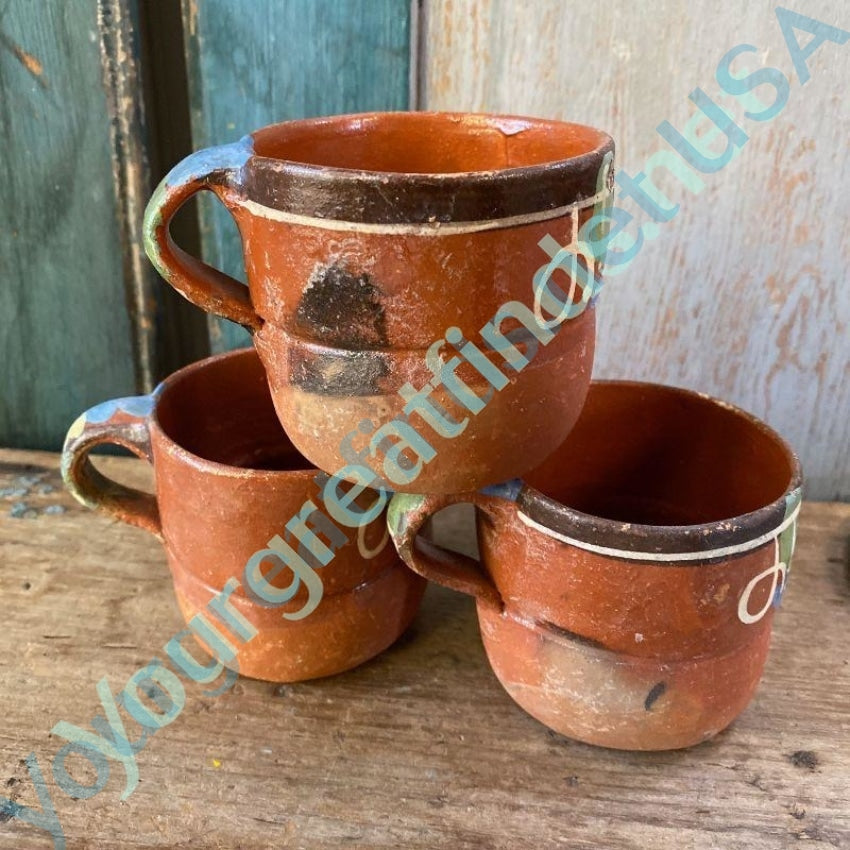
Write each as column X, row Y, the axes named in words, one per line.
column 735, row 549
column 777, row 570
column 437, row 228
column 365, row 552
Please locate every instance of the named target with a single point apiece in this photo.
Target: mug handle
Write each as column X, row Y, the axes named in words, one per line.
column 407, row 514
column 215, row 170
column 121, row 422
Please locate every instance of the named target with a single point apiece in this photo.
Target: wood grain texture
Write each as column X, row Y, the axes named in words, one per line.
column 252, row 64
column 744, row 293
column 65, row 333
column 420, row 748
column 141, row 48
column 118, row 28
column 182, row 335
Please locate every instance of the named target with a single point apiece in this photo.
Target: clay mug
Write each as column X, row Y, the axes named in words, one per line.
column 242, row 518
column 626, row 589
column 391, row 260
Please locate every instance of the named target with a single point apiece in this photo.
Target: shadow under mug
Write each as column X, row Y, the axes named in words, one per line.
column 626, row 589
column 230, row 489
column 376, row 248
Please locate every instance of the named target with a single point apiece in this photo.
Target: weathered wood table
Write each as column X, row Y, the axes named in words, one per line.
column 419, row 748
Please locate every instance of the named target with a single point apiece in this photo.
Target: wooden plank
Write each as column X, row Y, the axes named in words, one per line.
column 420, row 748
column 118, row 28
column 65, row 333
column 259, row 62
column 743, row 294
column 181, row 331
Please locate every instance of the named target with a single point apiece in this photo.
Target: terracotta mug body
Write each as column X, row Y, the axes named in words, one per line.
column 228, row 482
column 626, row 590
column 377, row 247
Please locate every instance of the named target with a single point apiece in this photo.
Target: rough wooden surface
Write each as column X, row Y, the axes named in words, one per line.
column 420, row 748
column 259, row 62
column 744, row 293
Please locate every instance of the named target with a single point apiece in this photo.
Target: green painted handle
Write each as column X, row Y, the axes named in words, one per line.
column 215, row 170
column 122, row 422
column 407, row 514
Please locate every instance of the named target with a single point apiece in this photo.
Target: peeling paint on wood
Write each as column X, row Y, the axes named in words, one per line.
column 65, row 336
column 743, row 295
column 119, row 45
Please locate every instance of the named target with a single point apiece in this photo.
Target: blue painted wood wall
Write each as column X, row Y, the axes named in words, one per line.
column 66, row 334
column 257, row 63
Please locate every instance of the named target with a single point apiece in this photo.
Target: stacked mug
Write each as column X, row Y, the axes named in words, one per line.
column 421, row 296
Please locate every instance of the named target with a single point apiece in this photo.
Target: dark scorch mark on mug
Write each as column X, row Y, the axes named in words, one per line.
column 657, row 691
column 345, row 373
column 343, row 310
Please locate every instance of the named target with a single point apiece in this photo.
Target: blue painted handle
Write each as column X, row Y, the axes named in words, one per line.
column 216, row 170
column 122, row 422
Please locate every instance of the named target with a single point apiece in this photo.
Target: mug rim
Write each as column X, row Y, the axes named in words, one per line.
column 700, row 542
column 184, row 455
column 510, row 196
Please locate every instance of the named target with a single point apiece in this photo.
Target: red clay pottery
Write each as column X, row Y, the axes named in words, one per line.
column 377, row 249
column 626, row 590
column 230, row 495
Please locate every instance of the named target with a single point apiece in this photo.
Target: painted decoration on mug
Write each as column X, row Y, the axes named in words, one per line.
column 786, row 537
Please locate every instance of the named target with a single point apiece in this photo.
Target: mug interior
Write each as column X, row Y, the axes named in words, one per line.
column 655, row 455
column 221, row 410
column 427, row 142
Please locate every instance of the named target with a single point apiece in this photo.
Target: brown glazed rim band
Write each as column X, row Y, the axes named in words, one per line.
column 669, row 543
column 294, row 191
column 298, row 172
